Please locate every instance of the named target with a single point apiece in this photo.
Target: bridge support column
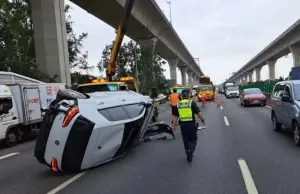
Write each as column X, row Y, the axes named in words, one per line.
column 50, row 39
column 190, row 79
column 257, row 73
column 173, row 69
column 148, row 48
column 194, row 79
column 295, row 50
column 271, row 64
column 183, row 75
column 236, row 82
column 250, row 74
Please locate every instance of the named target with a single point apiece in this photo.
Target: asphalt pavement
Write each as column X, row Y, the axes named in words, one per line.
column 237, row 153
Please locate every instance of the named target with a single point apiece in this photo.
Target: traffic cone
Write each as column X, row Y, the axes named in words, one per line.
column 218, row 103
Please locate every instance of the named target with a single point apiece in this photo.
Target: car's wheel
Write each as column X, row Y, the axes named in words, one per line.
column 296, row 132
column 276, row 126
column 12, row 137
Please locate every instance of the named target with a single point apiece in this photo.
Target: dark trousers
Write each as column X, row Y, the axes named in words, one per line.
column 189, row 135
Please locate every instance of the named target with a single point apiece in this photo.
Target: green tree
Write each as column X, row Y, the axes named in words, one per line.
column 134, row 61
column 17, row 50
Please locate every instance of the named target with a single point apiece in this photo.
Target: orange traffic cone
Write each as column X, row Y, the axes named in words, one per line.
column 218, row 103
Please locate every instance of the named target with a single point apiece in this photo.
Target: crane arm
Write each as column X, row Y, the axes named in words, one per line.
column 111, row 68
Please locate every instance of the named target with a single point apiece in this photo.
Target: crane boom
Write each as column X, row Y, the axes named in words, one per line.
column 111, row 68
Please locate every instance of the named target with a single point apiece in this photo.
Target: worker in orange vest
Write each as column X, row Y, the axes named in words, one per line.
column 174, row 100
column 203, row 98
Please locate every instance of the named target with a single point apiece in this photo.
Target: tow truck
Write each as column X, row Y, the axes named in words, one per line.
column 180, row 88
column 206, row 86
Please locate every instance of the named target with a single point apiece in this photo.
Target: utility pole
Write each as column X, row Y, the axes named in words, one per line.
column 169, row 2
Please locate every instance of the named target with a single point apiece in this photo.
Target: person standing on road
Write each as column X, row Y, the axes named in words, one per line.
column 203, row 98
column 186, row 111
column 174, row 99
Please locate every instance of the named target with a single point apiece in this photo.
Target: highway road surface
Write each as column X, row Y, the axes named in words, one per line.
column 237, row 153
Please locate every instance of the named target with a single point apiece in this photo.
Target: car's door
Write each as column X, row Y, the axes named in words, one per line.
column 276, row 101
column 287, row 107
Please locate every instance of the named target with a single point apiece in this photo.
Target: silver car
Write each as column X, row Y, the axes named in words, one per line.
column 285, row 102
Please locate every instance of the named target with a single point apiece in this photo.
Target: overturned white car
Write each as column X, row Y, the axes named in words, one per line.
column 80, row 131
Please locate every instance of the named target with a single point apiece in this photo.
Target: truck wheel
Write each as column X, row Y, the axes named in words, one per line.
column 12, row 137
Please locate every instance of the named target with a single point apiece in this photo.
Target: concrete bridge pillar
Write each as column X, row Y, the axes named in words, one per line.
column 183, row 75
column 257, row 73
column 250, row 74
column 245, row 78
column 271, row 64
column 173, row 69
column 190, row 77
column 295, row 50
column 50, row 39
column 196, row 79
column 236, row 82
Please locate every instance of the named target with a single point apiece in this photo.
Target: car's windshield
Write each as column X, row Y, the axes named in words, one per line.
column 232, row 89
column 252, row 91
column 179, row 90
column 297, row 92
column 131, row 86
column 98, row 88
column 206, row 88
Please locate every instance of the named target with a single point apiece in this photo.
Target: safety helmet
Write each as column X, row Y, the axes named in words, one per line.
column 185, row 93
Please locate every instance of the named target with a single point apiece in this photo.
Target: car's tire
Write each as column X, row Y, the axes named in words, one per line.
column 296, row 133
column 276, row 126
column 12, row 137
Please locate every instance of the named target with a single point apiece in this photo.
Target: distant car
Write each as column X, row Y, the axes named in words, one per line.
column 161, row 98
column 252, row 96
column 232, row 92
column 285, row 100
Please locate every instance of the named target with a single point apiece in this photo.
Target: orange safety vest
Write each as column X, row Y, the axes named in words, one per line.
column 174, row 99
column 203, row 95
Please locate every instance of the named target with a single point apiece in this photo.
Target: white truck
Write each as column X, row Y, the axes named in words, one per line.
column 21, row 106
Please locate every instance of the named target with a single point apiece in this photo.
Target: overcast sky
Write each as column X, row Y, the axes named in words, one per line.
column 224, row 34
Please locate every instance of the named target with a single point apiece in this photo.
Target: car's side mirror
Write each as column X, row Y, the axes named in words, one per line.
column 285, row 98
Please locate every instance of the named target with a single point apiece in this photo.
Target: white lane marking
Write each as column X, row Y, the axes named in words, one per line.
column 221, row 107
column 8, row 155
column 268, row 107
column 161, row 121
column 63, row 185
column 250, row 186
column 226, row 121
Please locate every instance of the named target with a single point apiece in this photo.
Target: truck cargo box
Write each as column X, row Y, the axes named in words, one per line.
column 31, row 97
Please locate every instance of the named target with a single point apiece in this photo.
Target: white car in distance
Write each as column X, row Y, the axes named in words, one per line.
column 232, row 92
